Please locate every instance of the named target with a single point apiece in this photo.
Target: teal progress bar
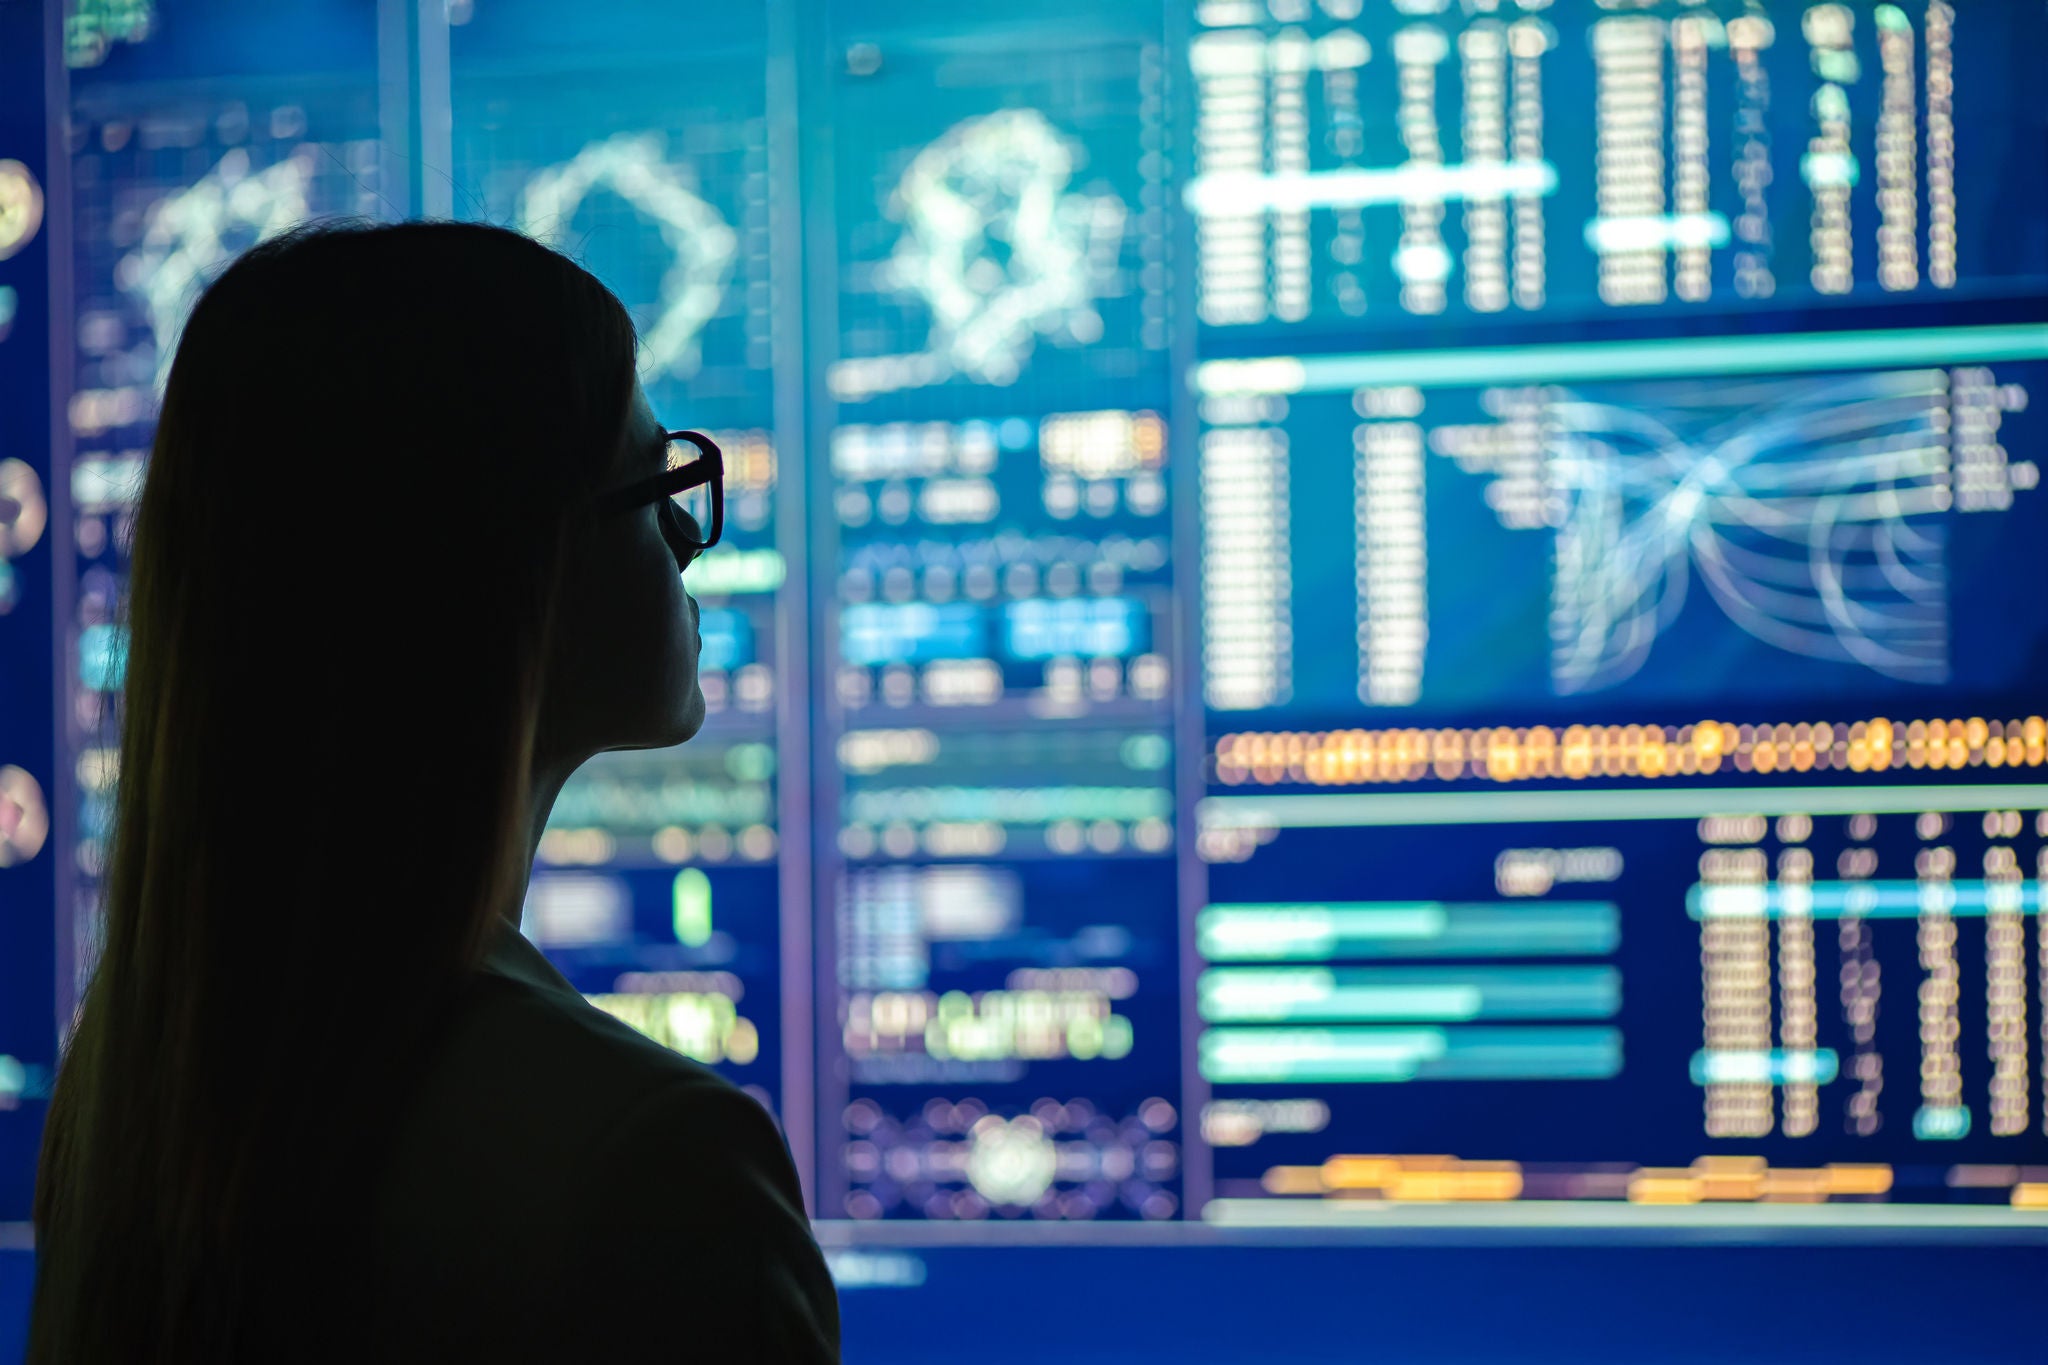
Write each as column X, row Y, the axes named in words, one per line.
column 1350, row 810
column 1869, row 900
column 1668, row 358
column 1370, row 995
column 1555, row 1053
column 1406, row 929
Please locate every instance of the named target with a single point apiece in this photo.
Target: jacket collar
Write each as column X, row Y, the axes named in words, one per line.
column 513, row 956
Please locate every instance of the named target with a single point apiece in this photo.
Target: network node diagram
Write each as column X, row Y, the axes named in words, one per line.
column 635, row 167
column 194, row 231
column 999, row 247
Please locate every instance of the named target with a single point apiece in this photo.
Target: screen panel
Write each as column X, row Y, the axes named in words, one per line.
column 997, row 852
column 1616, row 639
column 1407, row 616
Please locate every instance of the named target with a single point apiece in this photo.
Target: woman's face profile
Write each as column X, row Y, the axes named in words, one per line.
column 624, row 672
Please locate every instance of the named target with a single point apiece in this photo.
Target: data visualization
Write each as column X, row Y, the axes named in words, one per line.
column 1389, row 164
column 1004, row 565
column 1330, row 610
column 1861, row 975
column 666, row 201
column 1618, row 463
column 1000, row 620
column 1001, row 222
column 1007, row 1047
column 1525, row 526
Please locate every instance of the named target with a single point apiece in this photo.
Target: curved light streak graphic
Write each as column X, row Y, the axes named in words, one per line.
column 1809, row 511
column 634, row 166
column 193, row 231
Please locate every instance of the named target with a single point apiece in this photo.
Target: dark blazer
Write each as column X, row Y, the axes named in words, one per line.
column 565, row 1189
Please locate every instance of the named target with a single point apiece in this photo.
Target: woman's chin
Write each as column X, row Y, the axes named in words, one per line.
column 678, row 725
column 689, row 717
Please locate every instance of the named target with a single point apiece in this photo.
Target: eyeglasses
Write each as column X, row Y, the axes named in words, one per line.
column 691, row 491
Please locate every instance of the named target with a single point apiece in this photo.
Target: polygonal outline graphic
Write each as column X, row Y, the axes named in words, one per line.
column 189, row 233
column 994, row 180
column 634, row 167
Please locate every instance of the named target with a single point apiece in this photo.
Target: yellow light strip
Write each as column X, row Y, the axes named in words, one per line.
column 1710, row 1179
column 1349, row 758
column 1401, row 1179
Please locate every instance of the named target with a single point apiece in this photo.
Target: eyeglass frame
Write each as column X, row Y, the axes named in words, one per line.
column 707, row 468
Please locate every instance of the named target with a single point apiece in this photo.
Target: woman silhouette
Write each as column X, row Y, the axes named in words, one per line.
column 405, row 557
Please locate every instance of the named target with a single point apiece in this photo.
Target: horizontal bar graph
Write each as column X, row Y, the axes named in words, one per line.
column 1365, row 1054
column 1406, row 929
column 1244, row 995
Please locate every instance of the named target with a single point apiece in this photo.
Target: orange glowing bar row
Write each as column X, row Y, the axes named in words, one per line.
column 1447, row 1179
column 1342, row 758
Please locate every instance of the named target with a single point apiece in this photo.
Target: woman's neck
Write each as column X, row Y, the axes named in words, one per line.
column 548, row 780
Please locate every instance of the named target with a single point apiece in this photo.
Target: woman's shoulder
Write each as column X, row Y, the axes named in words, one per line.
column 520, row 1012
column 519, row 1031
column 548, row 1069
column 561, row 1172
column 528, row 1091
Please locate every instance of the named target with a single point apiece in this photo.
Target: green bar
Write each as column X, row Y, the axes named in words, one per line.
column 1350, row 810
column 1517, row 1054
column 1369, row 1054
column 1423, row 929
column 1254, row 995
column 1665, row 358
column 691, row 902
column 1244, row 995
column 1297, row 932
column 1359, row 1054
column 730, row 572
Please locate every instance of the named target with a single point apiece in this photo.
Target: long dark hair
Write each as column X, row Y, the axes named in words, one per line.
column 372, row 444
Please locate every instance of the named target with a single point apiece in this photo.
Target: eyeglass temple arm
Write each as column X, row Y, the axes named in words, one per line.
column 698, row 472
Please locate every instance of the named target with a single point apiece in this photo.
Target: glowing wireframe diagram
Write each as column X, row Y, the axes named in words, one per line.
column 1809, row 510
column 998, row 248
column 635, row 167
column 193, row 231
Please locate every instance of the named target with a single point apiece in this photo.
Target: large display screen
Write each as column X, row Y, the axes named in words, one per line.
column 1335, row 613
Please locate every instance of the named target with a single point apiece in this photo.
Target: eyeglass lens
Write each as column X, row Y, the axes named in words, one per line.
column 692, row 505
